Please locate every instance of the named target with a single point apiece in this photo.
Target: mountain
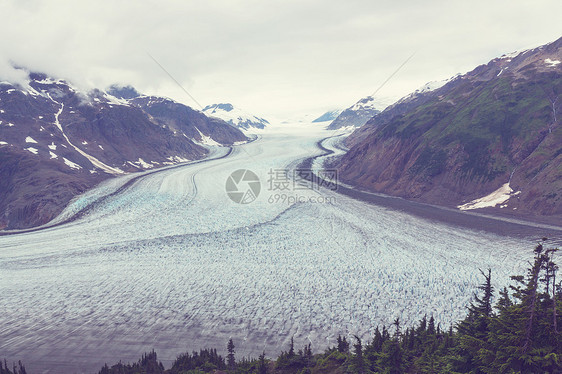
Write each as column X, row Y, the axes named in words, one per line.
column 56, row 141
column 357, row 114
column 123, row 92
column 236, row 117
column 489, row 139
column 328, row 116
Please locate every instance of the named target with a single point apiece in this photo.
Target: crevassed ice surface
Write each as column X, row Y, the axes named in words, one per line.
column 171, row 263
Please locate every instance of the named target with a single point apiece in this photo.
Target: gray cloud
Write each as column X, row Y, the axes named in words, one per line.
column 274, row 58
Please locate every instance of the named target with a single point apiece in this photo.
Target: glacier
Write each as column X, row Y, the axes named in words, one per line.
column 167, row 261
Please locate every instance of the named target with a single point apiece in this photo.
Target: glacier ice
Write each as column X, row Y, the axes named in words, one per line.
column 171, row 263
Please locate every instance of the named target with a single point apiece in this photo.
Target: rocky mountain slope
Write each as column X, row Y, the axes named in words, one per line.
column 56, row 141
column 357, row 114
column 490, row 139
column 235, row 116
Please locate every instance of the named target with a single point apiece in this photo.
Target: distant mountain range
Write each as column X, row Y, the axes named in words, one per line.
column 489, row 139
column 235, row 116
column 57, row 141
column 358, row 114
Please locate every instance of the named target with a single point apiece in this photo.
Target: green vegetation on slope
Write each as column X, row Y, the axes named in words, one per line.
column 464, row 140
column 490, row 126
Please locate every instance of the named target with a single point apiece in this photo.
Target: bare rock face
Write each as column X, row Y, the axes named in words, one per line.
column 57, row 141
column 497, row 124
column 192, row 123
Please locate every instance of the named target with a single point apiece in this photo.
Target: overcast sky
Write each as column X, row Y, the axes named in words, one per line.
column 278, row 59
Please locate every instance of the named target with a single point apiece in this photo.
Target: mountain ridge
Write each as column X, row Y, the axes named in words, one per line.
column 461, row 143
column 357, row 115
column 235, row 116
column 57, row 141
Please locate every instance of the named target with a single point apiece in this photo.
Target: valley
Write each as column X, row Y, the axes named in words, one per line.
column 242, row 187
column 169, row 262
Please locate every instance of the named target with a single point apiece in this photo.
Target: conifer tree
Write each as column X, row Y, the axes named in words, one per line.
column 230, row 359
column 292, row 348
column 262, row 366
column 523, row 333
column 431, row 326
column 343, row 345
column 358, row 363
column 473, row 350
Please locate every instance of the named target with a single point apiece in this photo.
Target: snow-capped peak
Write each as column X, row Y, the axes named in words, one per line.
column 512, row 54
column 434, row 85
column 225, row 107
column 359, row 113
column 235, row 116
column 369, row 103
column 428, row 87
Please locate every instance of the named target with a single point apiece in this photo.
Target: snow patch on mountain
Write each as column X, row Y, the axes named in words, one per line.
column 29, row 139
column 71, row 164
column 49, row 80
column 207, row 140
column 115, row 100
column 140, row 163
column 97, row 163
column 176, row 159
column 499, row 196
column 551, row 63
